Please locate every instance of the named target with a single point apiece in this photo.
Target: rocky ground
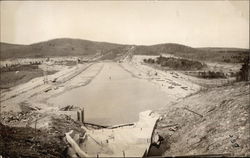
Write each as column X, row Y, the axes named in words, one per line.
column 32, row 142
column 28, row 142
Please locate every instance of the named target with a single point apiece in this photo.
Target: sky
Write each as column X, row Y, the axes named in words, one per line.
column 193, row 23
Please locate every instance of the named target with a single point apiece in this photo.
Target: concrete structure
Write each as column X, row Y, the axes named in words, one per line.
column 120, row 141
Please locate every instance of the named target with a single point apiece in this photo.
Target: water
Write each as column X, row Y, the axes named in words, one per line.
column 114, row 97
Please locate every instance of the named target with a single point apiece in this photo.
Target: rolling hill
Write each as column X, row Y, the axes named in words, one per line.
column 79, row 47
column 230, row 55
column 56, row 47
column 5, row 47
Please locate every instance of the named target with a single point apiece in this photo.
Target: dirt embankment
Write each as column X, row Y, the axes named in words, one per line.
column 41, row 138
column 214, row 121
column 28, row 142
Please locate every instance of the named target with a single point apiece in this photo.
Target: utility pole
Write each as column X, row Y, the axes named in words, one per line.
column 45, row 73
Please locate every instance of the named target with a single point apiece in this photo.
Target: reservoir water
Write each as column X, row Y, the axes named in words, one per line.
column 114, row 97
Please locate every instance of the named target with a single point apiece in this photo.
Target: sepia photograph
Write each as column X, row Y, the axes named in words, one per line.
column 122, row 78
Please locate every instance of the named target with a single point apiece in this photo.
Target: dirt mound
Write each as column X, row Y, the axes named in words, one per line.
column 210, row 122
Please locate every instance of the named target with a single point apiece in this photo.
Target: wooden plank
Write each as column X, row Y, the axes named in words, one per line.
column 193, row 112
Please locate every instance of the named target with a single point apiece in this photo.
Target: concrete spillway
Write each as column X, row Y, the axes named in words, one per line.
column 125, row 141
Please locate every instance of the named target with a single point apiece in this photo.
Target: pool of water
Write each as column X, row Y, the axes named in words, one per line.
column 113, row 97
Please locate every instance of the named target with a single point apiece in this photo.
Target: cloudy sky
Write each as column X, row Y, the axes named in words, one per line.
column 194, row 23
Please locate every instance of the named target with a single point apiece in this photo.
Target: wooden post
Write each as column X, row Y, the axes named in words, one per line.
column 0, row 113
column 82, row 111
column 78, row 116
column 123, row 153
column 193, row 112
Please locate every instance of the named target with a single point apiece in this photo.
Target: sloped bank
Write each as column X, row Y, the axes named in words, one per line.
column 212, row 122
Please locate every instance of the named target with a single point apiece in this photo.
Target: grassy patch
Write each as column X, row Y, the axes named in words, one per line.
column 18, row 74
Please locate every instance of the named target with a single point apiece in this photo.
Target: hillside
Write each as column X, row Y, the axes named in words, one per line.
column 215, row 121
column 57, row 47
column 221, row 49
column 229, row 55
column 79, row 47
column 163, row 48
column 7, row 47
